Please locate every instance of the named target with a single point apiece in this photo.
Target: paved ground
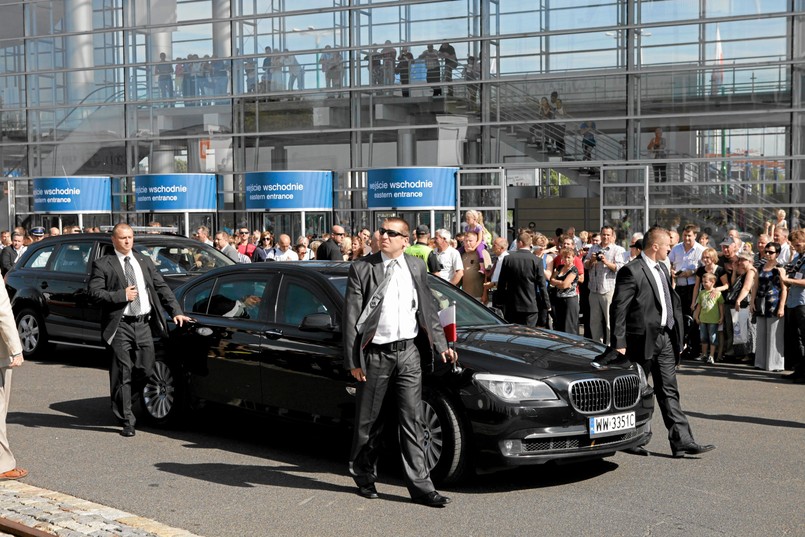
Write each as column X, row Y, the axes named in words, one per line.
column 228, row 474
column 68, row 516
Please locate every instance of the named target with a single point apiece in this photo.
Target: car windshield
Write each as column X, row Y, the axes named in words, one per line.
column 182, row 259
column 469, row 312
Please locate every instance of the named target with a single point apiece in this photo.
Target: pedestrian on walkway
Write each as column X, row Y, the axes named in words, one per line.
column 10, row 357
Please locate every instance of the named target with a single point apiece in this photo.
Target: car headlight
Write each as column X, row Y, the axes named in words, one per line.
column 643, row 379
column 514, row 389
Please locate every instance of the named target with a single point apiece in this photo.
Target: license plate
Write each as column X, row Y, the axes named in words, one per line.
column 612, row 424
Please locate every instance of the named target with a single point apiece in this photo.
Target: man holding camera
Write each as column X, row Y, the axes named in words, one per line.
column 602, row 263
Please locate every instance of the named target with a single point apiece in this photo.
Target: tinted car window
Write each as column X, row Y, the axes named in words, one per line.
column 237, row 297
column 181, row 259
column 297, row 301
column 197, row 299
column 73, row 258
column 469, row 312
column 39, row 259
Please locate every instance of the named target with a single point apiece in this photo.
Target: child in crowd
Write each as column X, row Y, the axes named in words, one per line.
column 475, row 222
column 709, row 314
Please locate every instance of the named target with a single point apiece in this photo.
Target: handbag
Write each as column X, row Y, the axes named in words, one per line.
column 731, row 296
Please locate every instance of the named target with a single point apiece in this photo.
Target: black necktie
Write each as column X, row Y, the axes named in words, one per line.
column 666, row 291
column 131, row 279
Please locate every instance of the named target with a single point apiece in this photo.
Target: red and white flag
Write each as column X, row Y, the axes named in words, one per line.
column 447, row 318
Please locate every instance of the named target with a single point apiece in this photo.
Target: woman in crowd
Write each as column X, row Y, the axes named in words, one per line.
column 346, row 248
column 264, row 250
column 768, row 303
column 565, row 279
column 357, row 248
column 738, row 298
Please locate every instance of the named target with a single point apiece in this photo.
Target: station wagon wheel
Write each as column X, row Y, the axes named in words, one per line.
column 445, row 442
column 160, row 395
column 32, row 332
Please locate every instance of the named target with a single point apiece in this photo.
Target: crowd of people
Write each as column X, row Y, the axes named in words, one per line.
column 738, row 303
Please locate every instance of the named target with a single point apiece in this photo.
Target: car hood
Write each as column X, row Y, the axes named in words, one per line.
column 519, row 350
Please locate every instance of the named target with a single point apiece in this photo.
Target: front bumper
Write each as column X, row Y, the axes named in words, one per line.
column 555, row 433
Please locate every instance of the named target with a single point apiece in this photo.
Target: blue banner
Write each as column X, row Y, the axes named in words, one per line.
column 72, row 195
column 175, row 193
column 289, row 191
column 412, row 188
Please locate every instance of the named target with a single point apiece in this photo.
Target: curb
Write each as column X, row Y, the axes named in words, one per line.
column 67, row 516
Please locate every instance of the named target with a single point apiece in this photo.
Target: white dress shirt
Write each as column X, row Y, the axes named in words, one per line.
column 398, row 310
column 657, row 275
column 142, row 290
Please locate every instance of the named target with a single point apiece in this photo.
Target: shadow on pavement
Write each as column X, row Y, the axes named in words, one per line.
column 748, row 419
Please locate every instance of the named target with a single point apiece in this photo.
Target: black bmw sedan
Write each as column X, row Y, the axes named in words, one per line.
column 267, row 338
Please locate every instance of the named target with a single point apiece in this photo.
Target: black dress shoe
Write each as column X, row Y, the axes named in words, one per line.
column 128, row 431
column 432, row 499
column 639, row 450
column 692, row 449
column 368, row 491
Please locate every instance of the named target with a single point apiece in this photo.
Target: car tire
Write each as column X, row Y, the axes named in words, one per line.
column 32, row 333
column 161, row 398
column 445, row 445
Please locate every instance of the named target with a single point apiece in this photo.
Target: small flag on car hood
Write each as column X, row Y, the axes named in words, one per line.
column 447, row 318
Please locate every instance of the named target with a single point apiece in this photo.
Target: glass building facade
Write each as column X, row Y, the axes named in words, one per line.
column 123, row 88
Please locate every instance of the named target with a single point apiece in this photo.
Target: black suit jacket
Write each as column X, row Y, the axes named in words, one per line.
column 521, row 278
column 365, row 275
column 636, row 315
column 107, row 285
column 7, row 258
column 329, row 250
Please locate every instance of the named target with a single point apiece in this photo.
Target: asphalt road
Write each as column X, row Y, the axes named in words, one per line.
column 229, row 474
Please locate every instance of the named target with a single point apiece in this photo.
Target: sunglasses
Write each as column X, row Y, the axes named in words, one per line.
column 771, row 251
column 339, row 234
column 390, row 232
column 244, row 232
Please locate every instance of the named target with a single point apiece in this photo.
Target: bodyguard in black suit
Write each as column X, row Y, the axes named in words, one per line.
column 131, row 294
column 330, row 250
column 390, row 321
column 520, row 282
column 646, row 317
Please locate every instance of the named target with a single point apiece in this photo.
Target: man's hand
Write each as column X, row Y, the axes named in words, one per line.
column 450, row 355
column 251, row 301
column 621, row 351
column 358, row 374
column 181, row 319
column 17, row 360
column 131, row 293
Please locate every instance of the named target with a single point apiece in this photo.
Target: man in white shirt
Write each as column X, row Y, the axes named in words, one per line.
column 685, row 258
column 602, row 264
column 781, row 237
column 449, row 258
column 283, row 250
column 390, row 320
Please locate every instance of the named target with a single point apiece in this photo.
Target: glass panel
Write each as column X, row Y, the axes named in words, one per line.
column 40, row 259
column 73, row 258
column 241, row 298
column 300, row 300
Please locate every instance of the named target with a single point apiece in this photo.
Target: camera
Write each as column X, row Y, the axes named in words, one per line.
column 599, row 256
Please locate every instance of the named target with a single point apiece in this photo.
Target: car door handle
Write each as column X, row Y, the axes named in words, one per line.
column 273, row 333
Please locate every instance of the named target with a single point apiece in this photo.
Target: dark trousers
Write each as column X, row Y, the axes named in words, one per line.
column 400, row 371
column 794, row 340
column 685, row 293
column 662, row 368
column 132, row 363
column 567, row 315
column 524, row 318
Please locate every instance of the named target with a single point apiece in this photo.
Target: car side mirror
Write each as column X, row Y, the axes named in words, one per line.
column 317, row 322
